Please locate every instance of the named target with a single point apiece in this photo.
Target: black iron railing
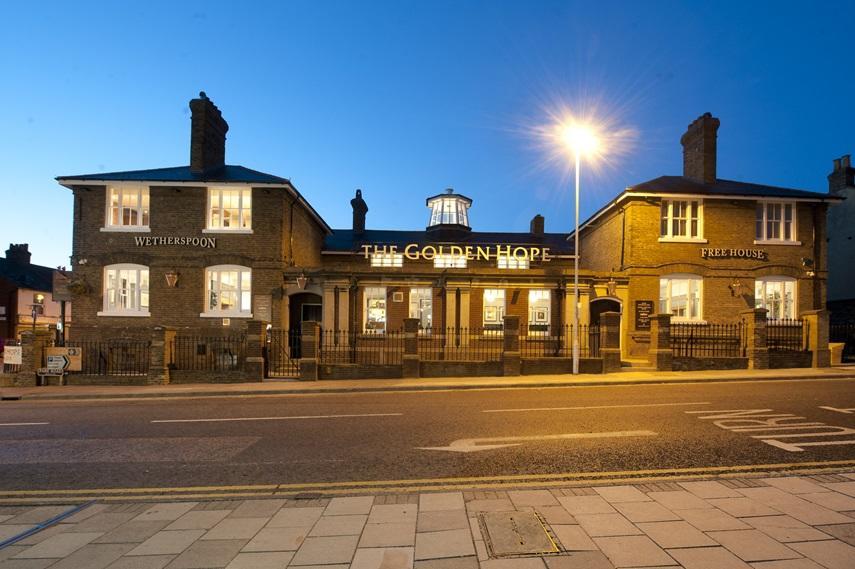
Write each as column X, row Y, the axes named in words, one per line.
column 282, row 353
column 700, row 340
column 786, row 335
column 113, row 357
column 349, row 347
column 461, row 344
column 844, row 332
column 557, row 341
column 208, row 353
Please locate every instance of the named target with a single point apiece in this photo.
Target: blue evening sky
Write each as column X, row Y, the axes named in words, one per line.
column 404, row 99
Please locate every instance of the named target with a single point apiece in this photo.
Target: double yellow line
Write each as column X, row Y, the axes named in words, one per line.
column 418, row 484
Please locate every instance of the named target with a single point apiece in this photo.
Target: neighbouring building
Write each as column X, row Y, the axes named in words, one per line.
column 206, row 249
column 26, row 294
column 841, row 242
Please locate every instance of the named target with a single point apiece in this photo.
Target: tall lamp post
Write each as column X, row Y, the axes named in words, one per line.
column 580, row 140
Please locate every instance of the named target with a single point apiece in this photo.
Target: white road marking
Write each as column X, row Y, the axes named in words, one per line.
column 289, row 418
column 21, row 424
column 847, row 411
column 595, row 407
column 473, row 445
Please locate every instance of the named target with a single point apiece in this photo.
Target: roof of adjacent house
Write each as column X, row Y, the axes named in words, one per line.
column 33, row 277
column 683, row 185
column 345, row 240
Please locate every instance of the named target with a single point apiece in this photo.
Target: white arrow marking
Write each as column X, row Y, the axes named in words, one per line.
column 473, row 445
column 847, row 411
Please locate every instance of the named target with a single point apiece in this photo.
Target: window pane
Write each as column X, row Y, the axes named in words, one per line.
column 421, row 306
column 758, row 224
column 494, row 309
column 375, row 310
column 538, row 311
column 663, row 217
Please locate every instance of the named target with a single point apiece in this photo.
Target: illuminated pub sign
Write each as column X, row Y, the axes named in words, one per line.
column 414, row 252
column 713, row 253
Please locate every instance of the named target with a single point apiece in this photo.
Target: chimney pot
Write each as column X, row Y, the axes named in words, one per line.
column 699, row 149
column 360, row 208
column 537, row 224
column 18, row 253
column 208, row 131
column 842, row 176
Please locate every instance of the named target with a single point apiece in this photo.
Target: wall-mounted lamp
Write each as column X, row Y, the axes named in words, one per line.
column 171, row 278
column 302, row 281
column 735, row 288
column 808, row 265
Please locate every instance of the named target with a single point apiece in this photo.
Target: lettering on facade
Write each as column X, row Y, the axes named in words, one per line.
column 201, row 242
column 415, row 252
column 643, row 312
column 714, row 253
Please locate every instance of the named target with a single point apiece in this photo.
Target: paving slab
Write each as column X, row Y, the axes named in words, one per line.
column 257, row 508
column 39, row 514
column 795, row 485
column 743, row 507
column 167, row 542
column 267, row 560
column 326, row 550
column 165, row 512
column 646, row 512
column 679, row 500
column 831, row 554
column 785, row 529
column 576, row 505
column 339, row 525
column 94, row 556
column 208, row 554
column 383, row 558
column 295, row 517
column 522, row 498
column 388, row 535
column 59, row 546
column 574, row 538
column 491, row 505
column 705, row 489
column 606, row 525
column 580, row 560
column 457, row 563
column 633, row 551
column 439, row 544
column 202, row 519
column 787, row 564
column 133, row 532
column 104, row 522
column 615, row 494
column 393, row 514
column 441, row 501
column 831, row 500
column 520, row 563
column 555, row 515
column 847, row 488
column 147, row 562
column 349, row 506
column 843, row 532
column 277, row 539
column 442, row 520
column 235, row 528
column 708, row 558
column 753, row 545
column 675, row 534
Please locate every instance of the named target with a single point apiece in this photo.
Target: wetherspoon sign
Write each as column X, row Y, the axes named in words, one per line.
column 414, row 252
column 201, row 242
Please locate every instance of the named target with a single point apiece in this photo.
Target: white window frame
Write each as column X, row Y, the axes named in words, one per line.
column 418, row 294
column 500, row 327
column 143, row 208
column 761, row 285
column 669, row 233
column 533, row 295
column 244, row 295
column 695, row 281
column 140, row 295
column 512, row 263
column 448, row 261
column 763, row 220
column 215, row 194
column 395, row 260
column 369, row 293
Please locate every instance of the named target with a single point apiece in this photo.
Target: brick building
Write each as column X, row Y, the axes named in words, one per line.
column 208, row 248
column 26, row 294
column 841, row 242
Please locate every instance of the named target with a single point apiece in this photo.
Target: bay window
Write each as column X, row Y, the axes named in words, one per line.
column 680, row 296
column 228, row 291
column 681, row 220
column 775, row 222
column 126, row 289
column 777, row 295
column 127, row 208
column 494, row 309
column 374, row 310
column 229, row 210
column 421, row 307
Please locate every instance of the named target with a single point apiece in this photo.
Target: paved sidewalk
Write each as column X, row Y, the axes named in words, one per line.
column 281, row 387
column 792, row 522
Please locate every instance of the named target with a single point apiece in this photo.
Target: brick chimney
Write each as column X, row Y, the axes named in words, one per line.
column 843, row 175
column 360, row 208
column 699, row 149
column 208, row 131
column 537, row 223
column 18, row 254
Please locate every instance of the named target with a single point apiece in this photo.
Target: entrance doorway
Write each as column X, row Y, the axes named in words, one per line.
column 303, row 307
column 600, row 305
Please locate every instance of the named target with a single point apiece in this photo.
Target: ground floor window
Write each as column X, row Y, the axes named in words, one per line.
column 125, row 290
column 538, row 312
column 421, row 307
column 777, row 295
column 374, row 309
column 494, row 309
column 680, row 296
column 228, row 291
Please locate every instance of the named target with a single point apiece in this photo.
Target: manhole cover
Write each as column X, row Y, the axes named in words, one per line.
column 516, row 533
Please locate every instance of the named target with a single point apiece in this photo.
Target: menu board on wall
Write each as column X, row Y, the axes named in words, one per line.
column 643, row 312
column 262, row 309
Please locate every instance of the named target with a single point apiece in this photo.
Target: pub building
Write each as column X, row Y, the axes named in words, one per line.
column 206, row 249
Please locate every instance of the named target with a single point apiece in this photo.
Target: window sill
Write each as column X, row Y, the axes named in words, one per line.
column 124, row 314
column 687, row 321
column 126, row 229
column 229, row 231
column 775, row 242
column 682, row 240
column 225, row 315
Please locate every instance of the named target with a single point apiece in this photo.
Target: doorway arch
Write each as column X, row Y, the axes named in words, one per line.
column 603, row 304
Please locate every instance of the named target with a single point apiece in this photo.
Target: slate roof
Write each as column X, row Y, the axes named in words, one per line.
column 344, row 240
column 227, row 173
column 683, row 185
column 34, row 277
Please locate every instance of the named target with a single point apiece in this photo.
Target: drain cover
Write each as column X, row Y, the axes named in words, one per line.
column 516, row 533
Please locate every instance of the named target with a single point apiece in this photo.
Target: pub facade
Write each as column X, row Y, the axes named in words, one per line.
column 212, row 250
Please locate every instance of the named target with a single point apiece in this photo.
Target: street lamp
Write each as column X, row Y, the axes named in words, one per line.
column 581, row 140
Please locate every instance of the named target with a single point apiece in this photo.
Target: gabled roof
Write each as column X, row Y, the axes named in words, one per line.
column 34, row 277
column 345, row 240
column 227, row 173
column 683, row 185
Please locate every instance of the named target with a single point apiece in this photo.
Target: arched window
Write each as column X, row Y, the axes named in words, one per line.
column 228, row 291
column 125, row 290
column 681, row 296
column 777, row 295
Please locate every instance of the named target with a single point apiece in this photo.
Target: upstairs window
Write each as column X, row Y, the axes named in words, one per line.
column 374, row 310
column 777, row 295
column 494, row 309
column 230, row 210
column 680, row 220
column 127, row 208
column 775, row 221
column 421, row 307
column 680, row 296
column 228, row 290
column 387, row 259
column 125, row 290
column 506, row 262
column 449, row 262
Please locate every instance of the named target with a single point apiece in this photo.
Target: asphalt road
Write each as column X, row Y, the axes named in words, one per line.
column 380, row 436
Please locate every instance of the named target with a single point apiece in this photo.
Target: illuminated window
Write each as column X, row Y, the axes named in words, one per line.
column 539, row 306
column 449, row 209
column 374, row 310
column 681, row 219
column 228, row 291
column 127, row 208
column 449, row 262
column 125, row 290
column 387, row 259
column 421, row 307
column 230, row 210
column 680, row 296
column 494, row 309
column 506, row 262
column 775, row 221
column 777, row 295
